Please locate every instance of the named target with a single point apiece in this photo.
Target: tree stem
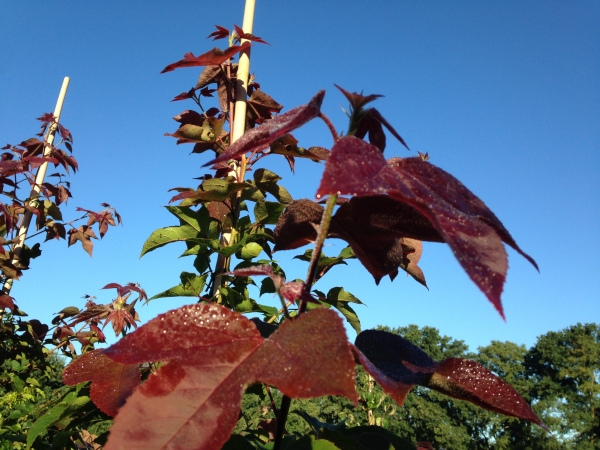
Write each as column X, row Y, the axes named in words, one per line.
column 310, row 278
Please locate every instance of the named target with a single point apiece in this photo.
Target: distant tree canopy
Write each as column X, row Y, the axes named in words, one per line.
column 559, row 376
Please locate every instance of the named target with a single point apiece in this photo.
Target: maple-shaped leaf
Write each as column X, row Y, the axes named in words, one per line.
column 368, row 120
column 129, row 287
column 397, row 365
column 248, row 36
column 464, row 222
column 213, row 57
column 221, row 33
column 358, row 101
column 184, row 95
column 260, row 137
column 112, row 382
column 83, row 234
column 103, row 219
column 377, row 228
column 259, row 107
column 211, row 355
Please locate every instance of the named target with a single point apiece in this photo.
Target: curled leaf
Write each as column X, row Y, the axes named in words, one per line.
column 464, row 222
column 397, row 365
column 260, row 137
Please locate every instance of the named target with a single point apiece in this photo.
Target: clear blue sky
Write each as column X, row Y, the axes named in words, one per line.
column 503, row 95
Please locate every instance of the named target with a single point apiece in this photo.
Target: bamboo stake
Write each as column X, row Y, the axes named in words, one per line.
column 239, row 127
column 39, row 179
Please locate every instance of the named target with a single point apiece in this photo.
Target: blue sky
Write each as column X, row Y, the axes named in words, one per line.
column 503, row 95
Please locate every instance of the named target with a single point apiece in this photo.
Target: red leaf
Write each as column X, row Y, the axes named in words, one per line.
column 83, row 234
column 6, row 302
column 296, row 225
column 397, row 365
column 468, row 380
column 358, row 101
column 375, row 227
column 213, row 57
column 112, row 382
column 213, row 355
column 248, row 36
column 221, row 33
column 184, row 95
column 259, row 138
column 473, row 232
column 255, row 271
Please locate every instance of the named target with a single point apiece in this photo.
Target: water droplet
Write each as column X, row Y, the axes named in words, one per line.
column 214, row 316
column 164, row 331
column 184, row 323
column 202, row 322
column 338, row 193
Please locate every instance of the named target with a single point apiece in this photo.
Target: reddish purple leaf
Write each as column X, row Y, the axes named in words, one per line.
column 112, row 382
column 377, row 228
column 6, row 302
column 221, row 33
column 264, row 269
column 468, row 380
column 193, row 401
column 83, row 234
column 260, row 137
column 184, row 95
column 248, row 36
column 358, row 101
column 473, row 232
column 397, row 365
column 213, row 57
column 296, row 224
column 296, row 290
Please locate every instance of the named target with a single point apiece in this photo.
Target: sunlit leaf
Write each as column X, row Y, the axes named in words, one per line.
column 472, row 231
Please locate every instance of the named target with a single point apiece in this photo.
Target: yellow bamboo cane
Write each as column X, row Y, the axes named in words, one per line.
column 39, row 179
column 239, row 126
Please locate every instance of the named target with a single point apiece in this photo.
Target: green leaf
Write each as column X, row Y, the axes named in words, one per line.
column 237, row 442
column 53, row 415
column 33, row 382
column 310, row 443
column 76, row 405
column 191, row 286
column 267, row 181
column 339, row 294
column 62, row 438
column 250, row 250
column 50, row 209
column 253, row 194
column 268, row 212
column 199, row 220
column 339, row 299
column 233, row 299
column 267, row 286
column 164, row 236
column 347, row 253
column 17, row 384
column 349, row 314
column 375, row 437
column 263, row 177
